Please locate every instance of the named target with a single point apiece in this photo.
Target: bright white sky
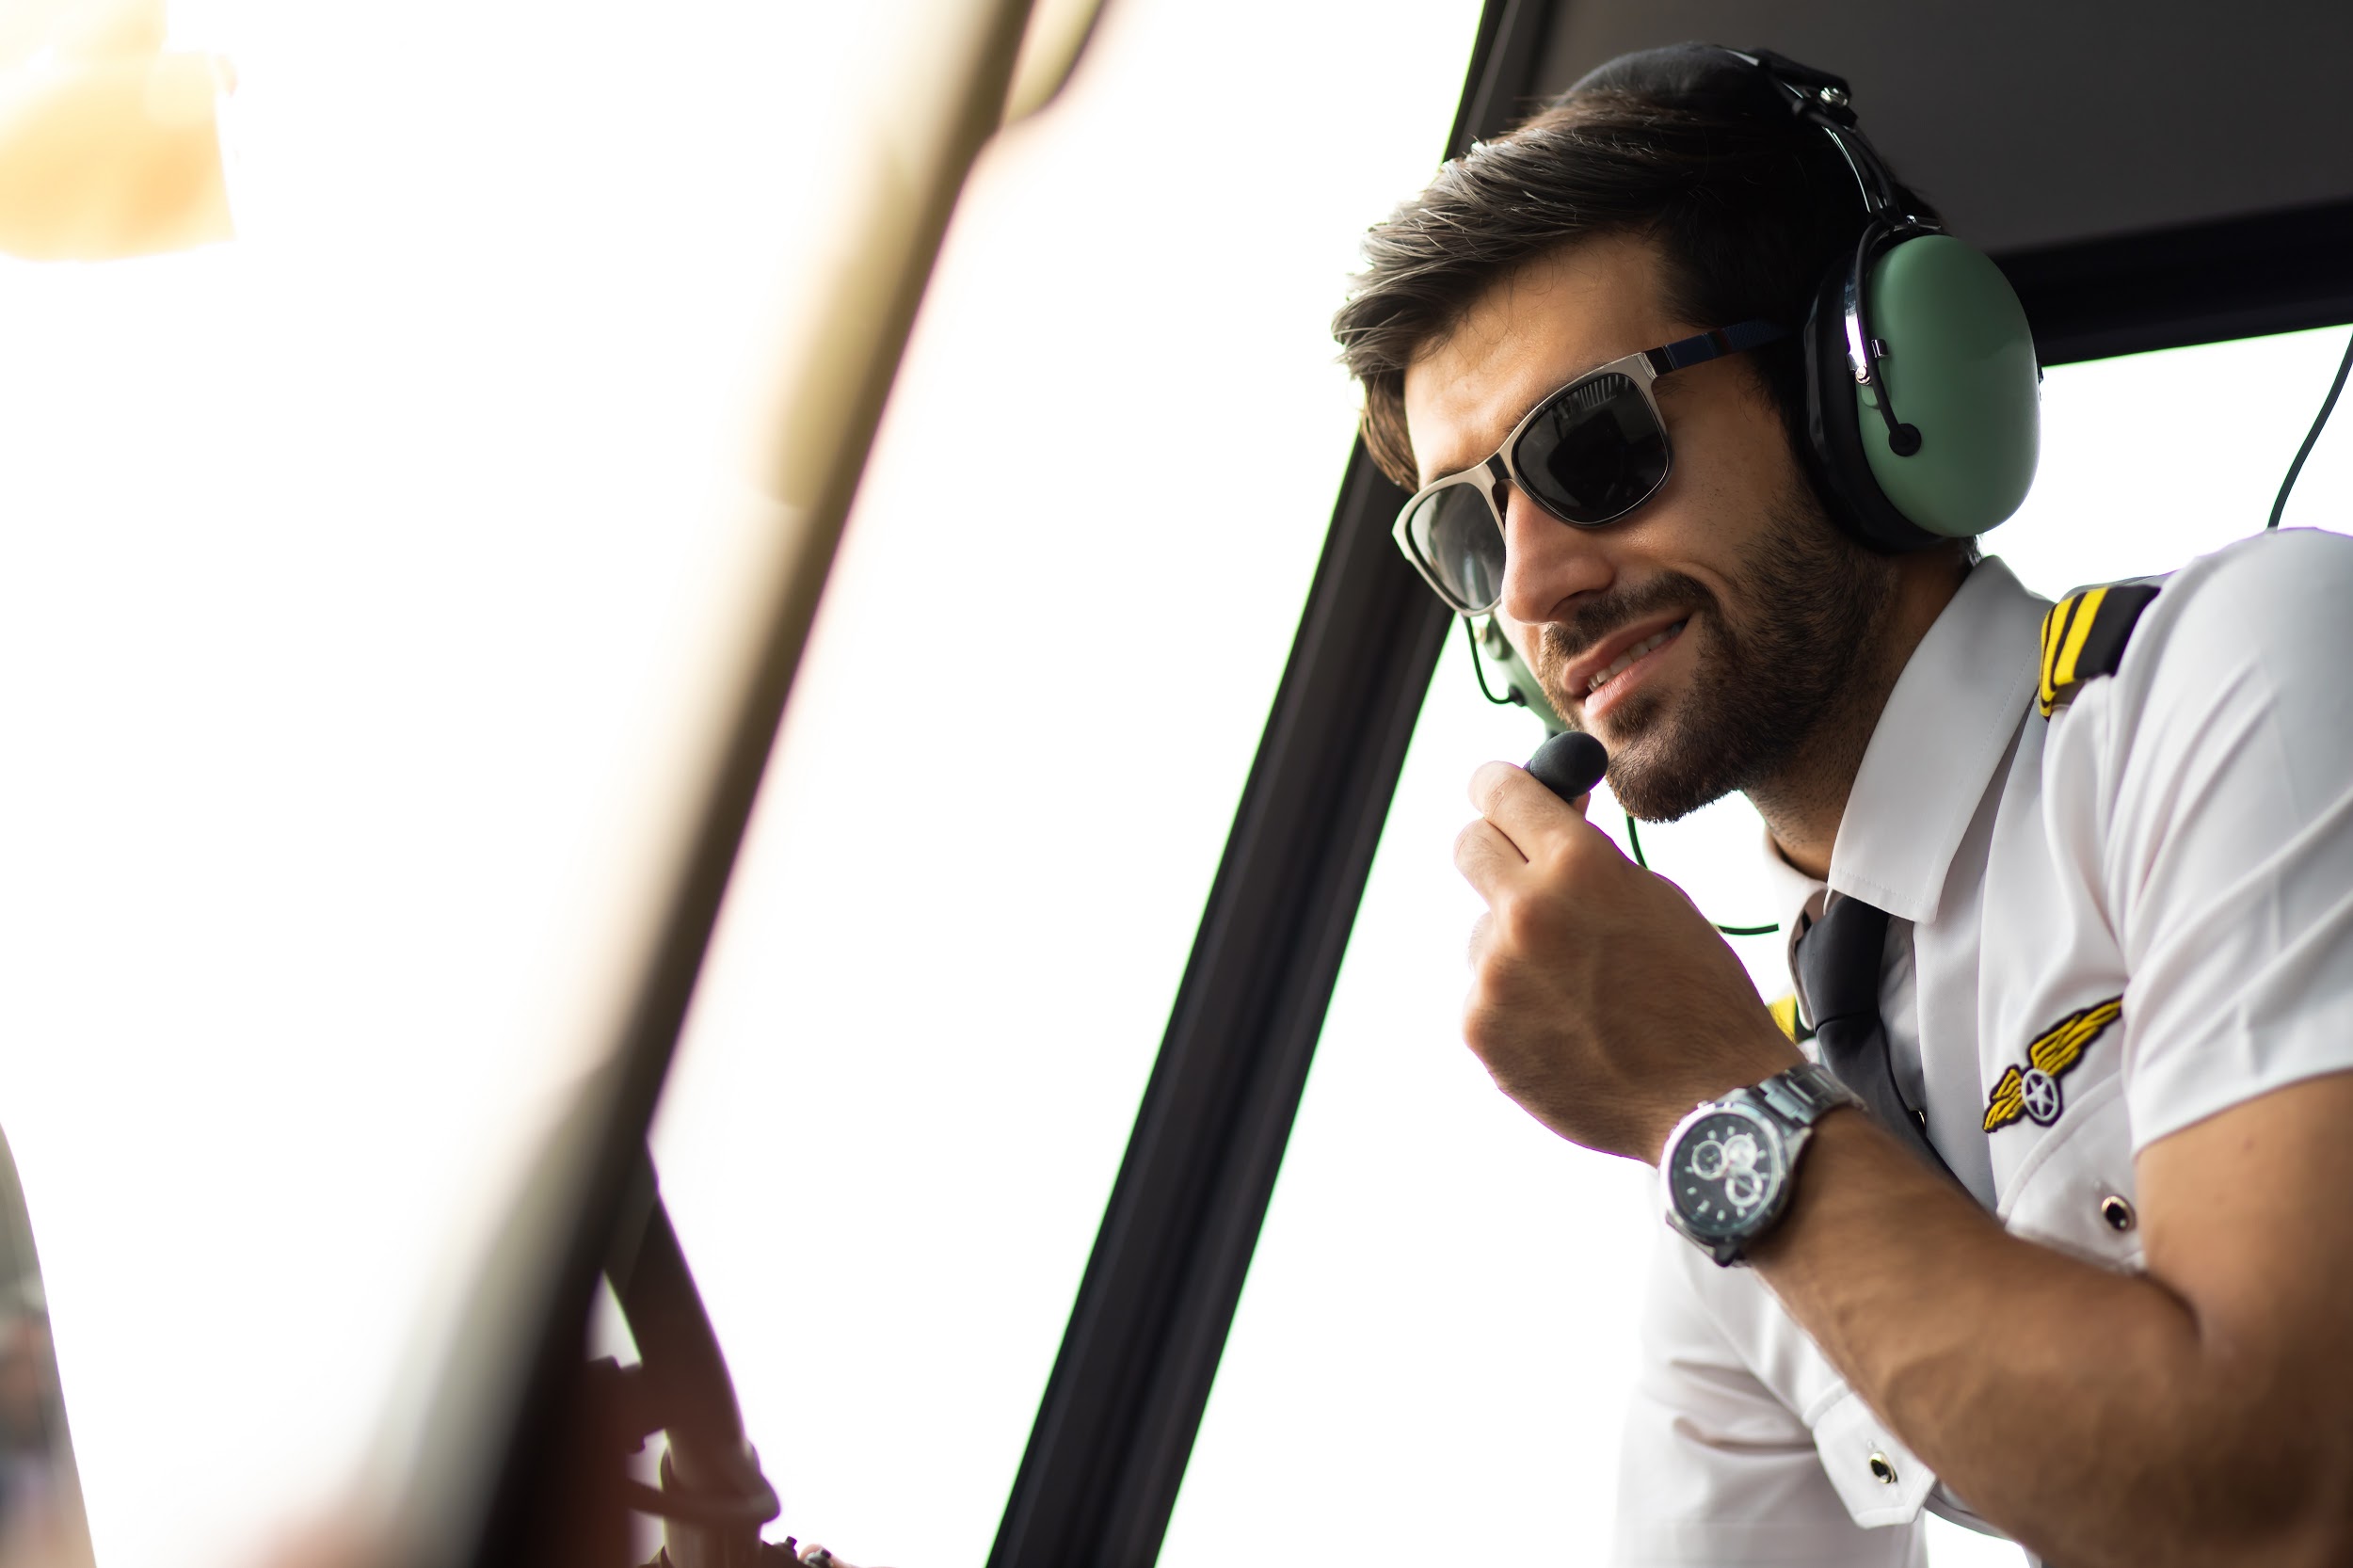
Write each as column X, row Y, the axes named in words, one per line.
column 357, row 592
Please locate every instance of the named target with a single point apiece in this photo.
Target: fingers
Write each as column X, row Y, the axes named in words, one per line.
column 1485, row 857
column 1528, row 813
column 1520, row 821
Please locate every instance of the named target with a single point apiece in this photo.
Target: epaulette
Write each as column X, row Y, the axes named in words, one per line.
column 2085, row 634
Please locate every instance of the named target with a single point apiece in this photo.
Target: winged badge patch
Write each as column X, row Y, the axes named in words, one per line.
column 2032, row 1092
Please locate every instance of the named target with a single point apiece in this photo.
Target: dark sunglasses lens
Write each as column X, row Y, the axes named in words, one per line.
column 1454, row 533
column 1595, row 454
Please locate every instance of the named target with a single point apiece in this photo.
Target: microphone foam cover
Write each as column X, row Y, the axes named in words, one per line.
column 1569, row 764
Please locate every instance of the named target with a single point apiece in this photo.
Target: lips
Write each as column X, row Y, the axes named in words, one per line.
column 1590, row 676
column 1619, row 665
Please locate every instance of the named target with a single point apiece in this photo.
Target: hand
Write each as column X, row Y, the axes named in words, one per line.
column 1601, row 999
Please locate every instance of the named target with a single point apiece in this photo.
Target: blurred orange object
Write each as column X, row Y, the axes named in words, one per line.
column 109, row 145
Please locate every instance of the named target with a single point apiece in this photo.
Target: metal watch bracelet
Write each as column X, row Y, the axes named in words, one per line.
column 1728, row 1166
column 1804, row 1093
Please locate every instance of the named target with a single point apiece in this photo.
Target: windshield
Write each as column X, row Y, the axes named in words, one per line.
column 367, row 578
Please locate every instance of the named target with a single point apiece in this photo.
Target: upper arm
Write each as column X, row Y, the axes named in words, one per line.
column 2215, row 776
column 2222, row 808
column 2247, row 1217
column 2227, row 865
column 2247, row 1220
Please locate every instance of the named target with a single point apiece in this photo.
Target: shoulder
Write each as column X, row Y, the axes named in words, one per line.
column 2231, row 689
column 2257, row 616
column 2263, row 587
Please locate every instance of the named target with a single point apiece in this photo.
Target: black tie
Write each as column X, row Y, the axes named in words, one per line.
column 1838, row 959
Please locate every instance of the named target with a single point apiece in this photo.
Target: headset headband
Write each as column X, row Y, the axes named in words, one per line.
column 1821, row 99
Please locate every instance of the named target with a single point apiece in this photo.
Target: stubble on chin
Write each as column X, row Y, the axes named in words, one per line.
column 1671, row 752
column 1767, row 690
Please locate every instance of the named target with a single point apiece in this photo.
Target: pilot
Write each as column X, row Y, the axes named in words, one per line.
column 2039, row 1213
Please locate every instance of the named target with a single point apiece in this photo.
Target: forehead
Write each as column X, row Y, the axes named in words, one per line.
column 1581, row 305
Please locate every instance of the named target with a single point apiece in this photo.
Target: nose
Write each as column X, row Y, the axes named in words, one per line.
column 1547, row 563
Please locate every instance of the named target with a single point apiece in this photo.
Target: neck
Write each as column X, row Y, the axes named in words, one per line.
column 1803, row 803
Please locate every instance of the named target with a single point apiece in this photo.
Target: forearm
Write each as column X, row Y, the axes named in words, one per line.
column 2088, row 1412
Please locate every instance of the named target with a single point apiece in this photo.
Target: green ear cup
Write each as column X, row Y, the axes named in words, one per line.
column 1961, row 368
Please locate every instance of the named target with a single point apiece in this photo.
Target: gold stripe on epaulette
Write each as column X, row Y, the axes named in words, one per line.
column 2054, row 631
column 2084, row 635
column 2079, row 627
column 2064, row 629
column 2042, row 662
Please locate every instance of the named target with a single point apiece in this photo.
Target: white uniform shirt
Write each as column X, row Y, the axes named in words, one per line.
column 2181, row 838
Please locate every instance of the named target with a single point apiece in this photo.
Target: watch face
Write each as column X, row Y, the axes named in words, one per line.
column 1723, row 1172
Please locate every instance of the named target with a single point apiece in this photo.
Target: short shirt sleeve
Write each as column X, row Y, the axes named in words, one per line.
column 2214, row 773
column 1716, row 1470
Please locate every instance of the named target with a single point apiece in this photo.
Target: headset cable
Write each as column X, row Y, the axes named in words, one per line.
column 2312, row 437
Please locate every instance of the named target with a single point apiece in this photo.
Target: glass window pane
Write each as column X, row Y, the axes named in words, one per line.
column 1438, row 1335
column 362, row 581
column 365, row 580
column 1071, row 586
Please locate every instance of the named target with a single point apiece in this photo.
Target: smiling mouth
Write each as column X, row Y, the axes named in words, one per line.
column 1619, row 665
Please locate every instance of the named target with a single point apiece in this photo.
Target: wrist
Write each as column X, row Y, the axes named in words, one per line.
column 1729, row 1167
column 1854, row 1165
column 1766, row 1063
column 1834, row 1146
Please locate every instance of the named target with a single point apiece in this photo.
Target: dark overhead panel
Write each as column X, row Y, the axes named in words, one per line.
column 2150, row 175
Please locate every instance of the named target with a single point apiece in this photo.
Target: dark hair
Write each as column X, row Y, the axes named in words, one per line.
column 1686, row 145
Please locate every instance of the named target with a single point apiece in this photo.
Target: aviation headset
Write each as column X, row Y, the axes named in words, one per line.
column 1922, row 388
column 1923, row 393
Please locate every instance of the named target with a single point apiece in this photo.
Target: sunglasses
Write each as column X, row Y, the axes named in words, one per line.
column 1589, row 453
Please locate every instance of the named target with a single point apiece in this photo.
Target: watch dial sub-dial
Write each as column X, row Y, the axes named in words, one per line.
column 1722, row 1171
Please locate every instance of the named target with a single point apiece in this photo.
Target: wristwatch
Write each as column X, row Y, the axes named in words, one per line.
column 1729, row 1164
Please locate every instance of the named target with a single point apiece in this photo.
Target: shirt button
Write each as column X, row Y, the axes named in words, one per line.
column 2116, row 1213
column 1882, row 1468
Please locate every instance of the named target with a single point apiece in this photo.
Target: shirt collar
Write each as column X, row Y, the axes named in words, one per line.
column 1793, row 891
column 1946, row 725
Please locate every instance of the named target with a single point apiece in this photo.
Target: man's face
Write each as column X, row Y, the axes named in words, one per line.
column 1706, row 636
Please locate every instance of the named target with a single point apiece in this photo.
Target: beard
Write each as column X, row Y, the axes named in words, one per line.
column 1768, row 684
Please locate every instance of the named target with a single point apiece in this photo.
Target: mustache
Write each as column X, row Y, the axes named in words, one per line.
column 1561, row 641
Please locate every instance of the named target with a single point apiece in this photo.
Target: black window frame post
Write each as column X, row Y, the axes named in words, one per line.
column 1116, row 1425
